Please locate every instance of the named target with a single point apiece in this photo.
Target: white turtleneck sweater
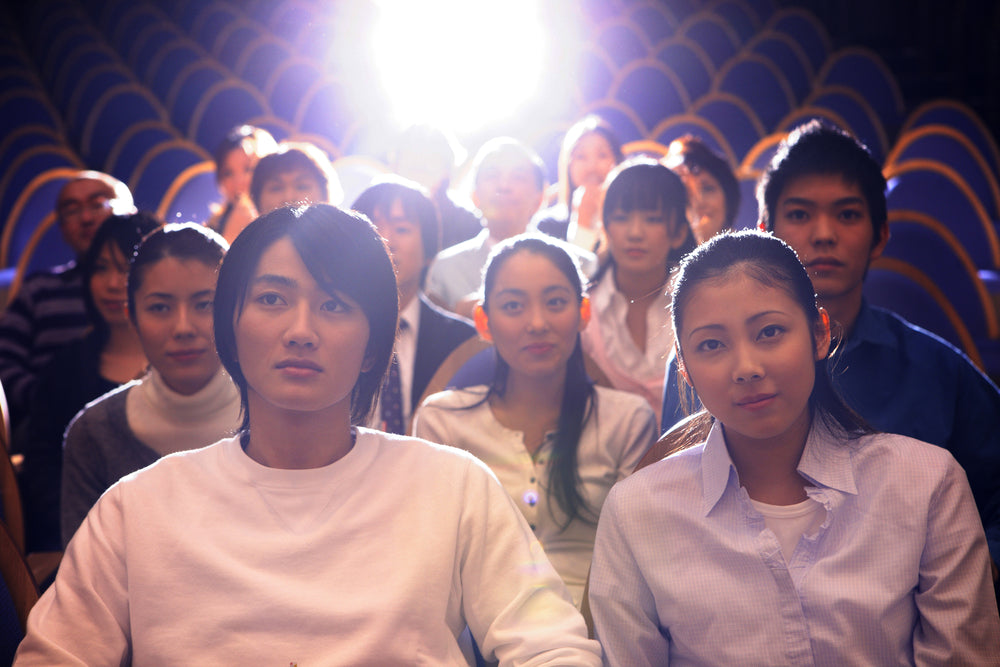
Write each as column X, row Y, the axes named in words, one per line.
column 133, row 426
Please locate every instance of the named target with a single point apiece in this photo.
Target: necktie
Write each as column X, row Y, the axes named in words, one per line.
column 392, row 396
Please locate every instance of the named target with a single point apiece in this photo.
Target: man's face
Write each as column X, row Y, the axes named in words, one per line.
column 81, row 207
column 507, row 192
column 826, row 220
column 406, row 245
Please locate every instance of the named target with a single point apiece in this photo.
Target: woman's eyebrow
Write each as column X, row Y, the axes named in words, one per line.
column 274, row 279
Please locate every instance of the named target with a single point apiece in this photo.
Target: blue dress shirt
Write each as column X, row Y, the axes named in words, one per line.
column 686, row 572
column 906, row 380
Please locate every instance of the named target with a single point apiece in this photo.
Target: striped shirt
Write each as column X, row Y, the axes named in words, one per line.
column 47, row 312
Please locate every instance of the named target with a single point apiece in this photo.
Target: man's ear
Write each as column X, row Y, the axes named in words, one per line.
column 681, row 368
column 878, row 245
column 822, row 335
column 482, row 322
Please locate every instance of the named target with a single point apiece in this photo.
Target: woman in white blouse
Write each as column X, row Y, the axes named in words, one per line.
column 647, row 233
column 556, row 442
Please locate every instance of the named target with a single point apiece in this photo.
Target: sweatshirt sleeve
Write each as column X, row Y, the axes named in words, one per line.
column 83, row 618
column 517, row 607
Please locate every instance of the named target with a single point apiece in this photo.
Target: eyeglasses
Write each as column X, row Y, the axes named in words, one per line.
column 72, row 212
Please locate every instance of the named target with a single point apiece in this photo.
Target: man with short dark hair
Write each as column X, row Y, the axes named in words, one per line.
column 48, row 310
column 406, row 218
column 824, row 195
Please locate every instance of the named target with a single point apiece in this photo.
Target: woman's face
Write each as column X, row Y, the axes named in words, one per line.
column 237, row 171
column 174, row 320
column 107, row 285
column 641, row 241
column 750, row 352
column 298, row 186
column 590, row 161
column 534, row 315
column 300, row 348
column 707, row 204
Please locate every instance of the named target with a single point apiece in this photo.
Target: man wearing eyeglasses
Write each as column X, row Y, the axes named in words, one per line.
column 48, row 310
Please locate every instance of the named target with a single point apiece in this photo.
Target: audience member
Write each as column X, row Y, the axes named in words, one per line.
column 794, row 533
column 186, row 400
column 646, row 232
column 590, row 150
column 48, row 310
column 108, row 355
column 556, row 442
column 364, row 547
column 509, row 185
column 713, row 193
column 405, row 217
column 824, row 195
column 428, row 155
column 235, row 159
column 297, row 173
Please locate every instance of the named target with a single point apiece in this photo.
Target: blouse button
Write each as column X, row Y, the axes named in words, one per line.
column 531, row 498
column 532, row 480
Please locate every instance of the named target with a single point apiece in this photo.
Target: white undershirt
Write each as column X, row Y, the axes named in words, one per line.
column 790, row 522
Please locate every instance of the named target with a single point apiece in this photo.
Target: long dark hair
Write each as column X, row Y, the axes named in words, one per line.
column 124, row 232
column 772, row 263
column 579, row 398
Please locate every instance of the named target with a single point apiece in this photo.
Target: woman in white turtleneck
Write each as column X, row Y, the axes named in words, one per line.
column 185, row 401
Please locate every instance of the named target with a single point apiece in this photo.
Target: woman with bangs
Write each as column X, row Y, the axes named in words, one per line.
column 185, row 400
column 306, row 538
column 647, row 234
column 554, row 440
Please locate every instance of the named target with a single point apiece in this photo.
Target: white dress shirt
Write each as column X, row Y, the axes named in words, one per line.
column 609, row 344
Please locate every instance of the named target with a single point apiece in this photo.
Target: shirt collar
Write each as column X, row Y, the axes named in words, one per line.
column 826, row 462
column 867, row 329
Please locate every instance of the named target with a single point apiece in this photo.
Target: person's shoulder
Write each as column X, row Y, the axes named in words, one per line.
column 409, row 453
column 915, row 337
column 99, row 410
column 458, row 251
column 893, row 457
column 678, row 474
column 456, row 399
column 625, row 403
column 443, row 319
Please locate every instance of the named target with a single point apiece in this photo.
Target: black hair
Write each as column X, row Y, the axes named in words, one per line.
column 590, row 124
column 294, row 156
column 124, row 232
column 579, row 398
column 772, row 263
column 344, row 253
column 643, row 184
column 694, row 154
column 183, row 240
column 417, row 206
column 818, row 147
column 260, row 140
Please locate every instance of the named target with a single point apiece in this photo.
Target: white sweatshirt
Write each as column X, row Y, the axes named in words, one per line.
column 207, row 557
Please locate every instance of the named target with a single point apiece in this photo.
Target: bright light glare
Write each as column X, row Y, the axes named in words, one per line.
column 458, row 63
